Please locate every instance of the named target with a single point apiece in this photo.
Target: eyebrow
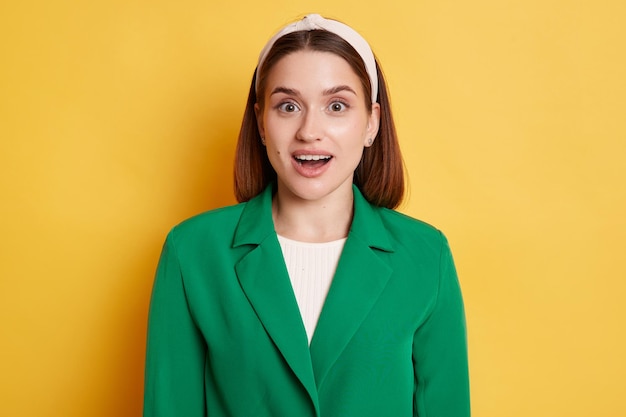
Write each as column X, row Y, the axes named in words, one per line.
column 327, row 92
column 285, row 90
column 338, row 89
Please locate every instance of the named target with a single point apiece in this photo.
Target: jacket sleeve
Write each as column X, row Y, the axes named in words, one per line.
column 440, row 350
column 176, row 351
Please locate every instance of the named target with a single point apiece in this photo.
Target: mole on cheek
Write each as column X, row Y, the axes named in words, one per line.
column 278, row 152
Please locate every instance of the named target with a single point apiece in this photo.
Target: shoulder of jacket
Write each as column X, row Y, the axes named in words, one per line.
column 415, row 236
column 218, row 220
column 396, row 221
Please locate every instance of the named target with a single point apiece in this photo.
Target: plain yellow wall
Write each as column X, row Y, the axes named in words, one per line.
column 118, row 119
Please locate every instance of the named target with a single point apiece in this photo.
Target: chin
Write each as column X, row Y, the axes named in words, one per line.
column 315, row 190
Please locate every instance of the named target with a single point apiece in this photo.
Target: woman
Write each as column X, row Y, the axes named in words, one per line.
column 236, row 322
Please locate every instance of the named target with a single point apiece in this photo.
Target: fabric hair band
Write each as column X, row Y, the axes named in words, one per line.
column 315, row 21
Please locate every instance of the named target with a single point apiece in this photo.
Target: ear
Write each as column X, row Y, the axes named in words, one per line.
column 373, row 123
column 259, row 119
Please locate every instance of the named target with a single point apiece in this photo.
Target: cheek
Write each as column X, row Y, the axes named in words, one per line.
column 353, row 131
column 278, row 129
column 275, row 155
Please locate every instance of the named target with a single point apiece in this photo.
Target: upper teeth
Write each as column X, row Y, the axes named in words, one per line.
column 312, row 157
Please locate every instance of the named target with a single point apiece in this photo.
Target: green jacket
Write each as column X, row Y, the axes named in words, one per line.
column 225, row 337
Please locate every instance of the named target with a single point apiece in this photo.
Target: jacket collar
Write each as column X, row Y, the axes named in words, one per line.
column 360, row 278
column 255, row 223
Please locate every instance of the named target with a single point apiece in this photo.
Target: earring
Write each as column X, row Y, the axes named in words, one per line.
column 263, row 140
column 370, row 141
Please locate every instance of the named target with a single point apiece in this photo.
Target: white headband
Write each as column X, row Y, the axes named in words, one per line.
column 315, row 21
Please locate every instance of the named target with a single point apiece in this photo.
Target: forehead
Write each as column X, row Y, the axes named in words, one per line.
column 323, row 69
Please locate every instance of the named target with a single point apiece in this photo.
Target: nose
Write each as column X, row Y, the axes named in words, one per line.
column 310, row 128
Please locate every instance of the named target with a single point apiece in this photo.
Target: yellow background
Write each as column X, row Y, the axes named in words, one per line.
column 118, row 119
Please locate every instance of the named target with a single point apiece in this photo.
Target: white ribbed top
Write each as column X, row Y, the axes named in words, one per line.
column 311, row 268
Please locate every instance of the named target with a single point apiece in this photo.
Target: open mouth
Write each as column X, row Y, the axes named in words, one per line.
column 312, row 161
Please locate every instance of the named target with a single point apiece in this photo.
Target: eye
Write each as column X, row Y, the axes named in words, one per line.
column 337, row 106
column 288, row 107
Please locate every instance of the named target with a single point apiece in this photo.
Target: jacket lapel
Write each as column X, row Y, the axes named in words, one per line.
column 265, row 281
column 359, row 280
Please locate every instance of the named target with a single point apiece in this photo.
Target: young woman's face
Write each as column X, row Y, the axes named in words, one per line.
column 315, row 124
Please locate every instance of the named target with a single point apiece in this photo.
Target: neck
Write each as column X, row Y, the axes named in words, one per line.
column 312, row 221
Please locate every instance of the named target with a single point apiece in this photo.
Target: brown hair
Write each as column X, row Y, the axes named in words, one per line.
column 379, row 175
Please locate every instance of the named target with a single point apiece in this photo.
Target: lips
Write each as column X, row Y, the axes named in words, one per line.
column 311, row 164
column 304, row 158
